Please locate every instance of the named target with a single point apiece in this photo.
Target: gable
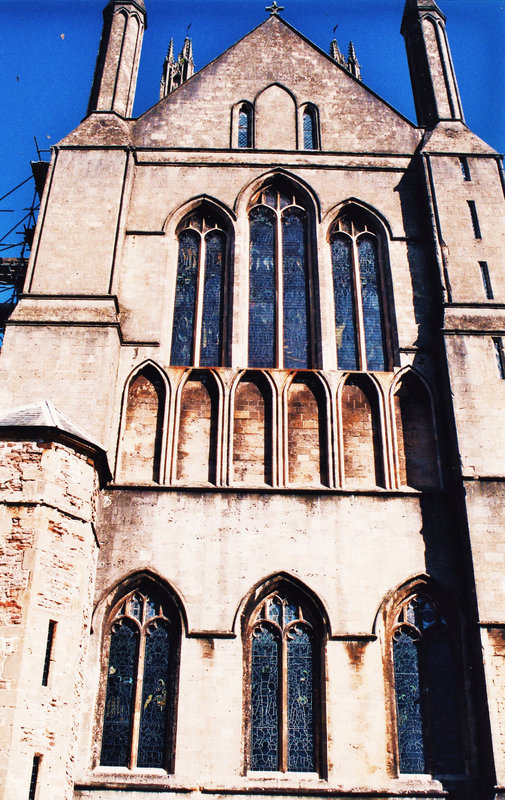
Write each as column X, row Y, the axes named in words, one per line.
column 199, row 113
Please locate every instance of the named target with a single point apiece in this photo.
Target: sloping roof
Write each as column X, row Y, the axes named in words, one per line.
column 45, row 417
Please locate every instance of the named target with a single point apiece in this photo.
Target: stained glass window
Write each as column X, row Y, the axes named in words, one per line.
column 282, row 735
column 198, row 323
column 245, row 126
column 141, row 633
column 345, row 313
column 185, row 299
column 426, row 691
column 279, row 287
column 358, row 295
column 309, row 129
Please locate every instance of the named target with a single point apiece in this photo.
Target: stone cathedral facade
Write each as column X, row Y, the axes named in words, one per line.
column 252, row 464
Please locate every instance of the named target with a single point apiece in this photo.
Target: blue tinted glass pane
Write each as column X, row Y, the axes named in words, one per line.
column 295, row 289
column 154, row 710
column 299, row 721
column 446, row 748
column 309, row 139
column 275, row 610
column 408, row 705
column 261, row 289
column 345, row 315
column 290, row 612
column 211, row 342
column 372, row 306
column 185, row 296
column 264, row 701
column 244, row 127
column 119, row 696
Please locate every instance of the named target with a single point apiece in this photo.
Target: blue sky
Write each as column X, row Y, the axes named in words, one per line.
column 48, row 50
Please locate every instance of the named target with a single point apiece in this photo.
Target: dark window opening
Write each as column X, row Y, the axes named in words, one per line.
column 34, row 777
column 486, row 280
column 465, row 168
column 475, row 219
column 500, row 356
column 49, row 647
column 310, row 131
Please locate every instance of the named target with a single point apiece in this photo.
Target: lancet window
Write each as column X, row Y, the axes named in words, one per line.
column 426, row 680
column 199, row 310
column 280, row 324
column 310, row 128
column 284, row 681
column 138, row 716
column 245, row 120
column 359, row 292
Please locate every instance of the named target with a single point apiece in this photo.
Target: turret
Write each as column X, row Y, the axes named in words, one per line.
column 115, row 78
column 176, row 72
column 434, row 85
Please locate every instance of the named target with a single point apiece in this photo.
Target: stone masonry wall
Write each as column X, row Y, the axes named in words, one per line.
column 47, row 560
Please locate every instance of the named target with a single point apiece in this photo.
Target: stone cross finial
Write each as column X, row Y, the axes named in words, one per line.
column 274, row 9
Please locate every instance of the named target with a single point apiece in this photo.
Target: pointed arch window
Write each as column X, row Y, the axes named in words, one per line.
column 427, row 703
column 280, row 321
column 142, row 658
column 199, row 309
column 284, row 684
column 310, row 128
column 359, row 294
column 245, row 121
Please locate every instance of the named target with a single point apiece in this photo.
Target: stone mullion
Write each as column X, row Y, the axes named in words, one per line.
column 358, row 301
column 200, row 284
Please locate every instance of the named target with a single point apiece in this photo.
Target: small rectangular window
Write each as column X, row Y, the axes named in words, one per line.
column 49, row 647
column 500, row 355
column 34, row 777
column 475, row 219
column 486, row 280
column 465, row 168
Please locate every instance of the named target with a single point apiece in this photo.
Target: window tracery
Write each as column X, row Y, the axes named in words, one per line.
column 199, row 309
column 358, row 286
column 284, row 680
column 428, row 722
column 279, row 280
column 138, row 715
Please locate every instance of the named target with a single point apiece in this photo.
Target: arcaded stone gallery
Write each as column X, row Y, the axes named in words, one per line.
column 252, row 532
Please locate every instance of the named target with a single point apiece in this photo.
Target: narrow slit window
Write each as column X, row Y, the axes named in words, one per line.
column 51, row 628
column 465, row 168
column 475, row 219
column 500, row 356
column 34, row 777
column 486, row 280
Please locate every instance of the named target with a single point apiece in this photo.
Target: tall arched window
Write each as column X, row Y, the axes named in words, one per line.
column 285, row 677
column 359, row 293
column 245, row 120
column 199, row 310
column 310, row 128
column 279, row 280
column 426, row 680
column 139, row 711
